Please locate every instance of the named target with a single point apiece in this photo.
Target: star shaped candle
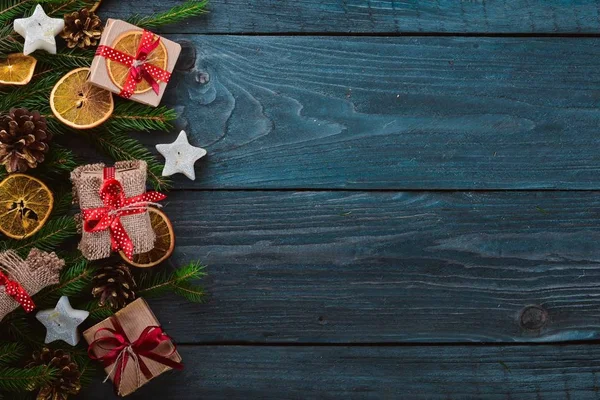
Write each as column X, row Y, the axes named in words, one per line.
column 180, row 156
column 39, row 31
column 61, row 322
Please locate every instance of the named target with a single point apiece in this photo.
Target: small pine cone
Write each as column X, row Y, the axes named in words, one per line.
column 82, row 29
column 68, row 380
column 115, row 286
column 24, row 139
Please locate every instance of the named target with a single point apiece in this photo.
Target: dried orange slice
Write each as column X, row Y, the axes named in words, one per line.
column 79, row 104
column 128, row 43
column 164, row 245
column 17, row 69
column 25, row 205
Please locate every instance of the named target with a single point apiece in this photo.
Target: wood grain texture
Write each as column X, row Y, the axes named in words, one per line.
column 378, row 16
column 390, row 113
column 346, row 267
column 461, row 372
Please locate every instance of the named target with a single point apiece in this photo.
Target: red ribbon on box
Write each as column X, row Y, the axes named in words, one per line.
column 116, row 205
column 139, row 66
column 121, row 350
column 17, row 292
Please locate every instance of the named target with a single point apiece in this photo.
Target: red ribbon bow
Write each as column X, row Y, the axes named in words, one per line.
column 139, row 66
column 121, row 350
column 116, row 205
column 16, row 291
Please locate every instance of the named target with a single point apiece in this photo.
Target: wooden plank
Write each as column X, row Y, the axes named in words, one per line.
column 381, row 16
column 391, row 113
column 350, row 267
column 461, row 372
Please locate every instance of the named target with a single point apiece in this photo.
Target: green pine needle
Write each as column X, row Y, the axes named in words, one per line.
column 66, row 59
column 180, row 281
column 11, row 352
column 16, row 379
column 74, row 279
column 55, row 232
column 120, row 147
column 129, row 116
column 97, row 312
column 189, row 9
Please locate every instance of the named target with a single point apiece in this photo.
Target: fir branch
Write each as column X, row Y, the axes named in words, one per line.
column 11, row 352
column 62, row 7
column 11, row 9
column 129, row 116
column 32, row 96
column 22, row 379
column 56, row 231
column 59, row 162
column 191, row 8
column 74, row 279
column 97, row 312
column 66, row 59
column 9, row 42
column 120, row 147
column 179, row 281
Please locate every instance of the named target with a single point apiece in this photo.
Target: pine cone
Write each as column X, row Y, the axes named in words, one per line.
column 67, row 382
column 24, row 139
column 114, row 285
column 82, row 28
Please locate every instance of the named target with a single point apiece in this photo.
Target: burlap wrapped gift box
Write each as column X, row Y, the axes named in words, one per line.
column 133, row 319
column 87, row 181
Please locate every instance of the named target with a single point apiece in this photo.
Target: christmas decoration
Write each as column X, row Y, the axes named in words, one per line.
column 38, row 214
column 132, row 347
column 68, row 380
column 82, row 29
column 61, row 322
column 20, row 279
column 28, row 204
column 180, row 156
column 163, row 246
column 133, row 62
column 17, row 69
column 114, row 285
column 24, row 139
column 114, row 204
column 79, row 104
column 39, row 31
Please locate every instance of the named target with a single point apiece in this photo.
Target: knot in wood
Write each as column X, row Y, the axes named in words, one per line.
column 533, row 317
column 202, row 78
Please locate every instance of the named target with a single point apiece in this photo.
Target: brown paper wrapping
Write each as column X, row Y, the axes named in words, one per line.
column 99, row 74
column 134, row 319
column 87, row 181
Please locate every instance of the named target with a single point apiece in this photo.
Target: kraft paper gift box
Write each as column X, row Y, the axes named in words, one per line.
column 133, row 320
column 87, row 182
column 112, row 70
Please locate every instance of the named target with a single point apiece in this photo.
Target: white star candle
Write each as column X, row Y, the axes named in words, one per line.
column 61, row 323
column 39, row 31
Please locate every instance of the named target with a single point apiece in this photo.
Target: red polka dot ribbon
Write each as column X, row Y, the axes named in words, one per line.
column 140, row 67
column 16, row 291
column 116, row 205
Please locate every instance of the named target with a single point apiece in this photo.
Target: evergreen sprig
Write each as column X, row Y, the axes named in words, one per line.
column 97, row 312
column 11, row 352
column 189, row 9
column 50, row 236
column 129, row 116
column 120, row 147
column 19, row 379
column 180, row 281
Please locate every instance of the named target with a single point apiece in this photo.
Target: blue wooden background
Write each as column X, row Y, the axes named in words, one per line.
column 399, row 201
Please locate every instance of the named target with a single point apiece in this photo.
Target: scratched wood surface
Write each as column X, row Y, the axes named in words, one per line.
column 386, row 372
column 380, row 16
column 400, row 200
column 391, row 113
